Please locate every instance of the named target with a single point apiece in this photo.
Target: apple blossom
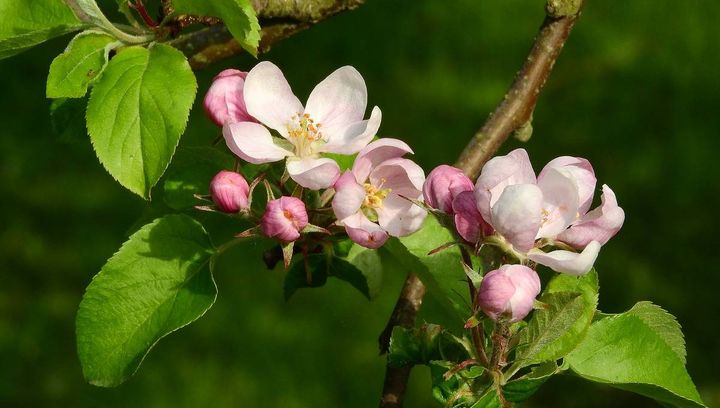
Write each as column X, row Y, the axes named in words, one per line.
column 284, row 219
column 442, row 185
column 331, row 122
column 508, row 291
column 468, row 221
column 371, row 200
column 224, row 101
column 530, row 212
column 229, row 191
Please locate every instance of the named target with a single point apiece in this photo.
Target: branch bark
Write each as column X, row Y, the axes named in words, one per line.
column 513, row 114
column 279, row 19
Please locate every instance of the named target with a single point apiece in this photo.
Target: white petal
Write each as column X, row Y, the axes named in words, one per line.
column 364, row 232
column 400, row 217
column 403, row 176
column 560, row 202
column 376, row 153
column 313, row 173
column 572, row 263
column 338, row 101
column 498, row 173
column 268, row 97
column 353, row 137
column 252, row 142
column 600, row 224
column 517, row 215
column 349, row 196
column 581, row 170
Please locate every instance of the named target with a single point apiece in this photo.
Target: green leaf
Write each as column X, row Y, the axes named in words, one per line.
column 158, row 282
column 421, row 345
column 28, row 23
column 79, row 65
column 456, row 389
column 137, row 112
column 238, row 15
column 368, row 263
column 310, row 272
column 67, row 117
column 314, row 271
column 641, row 350
column 521, row 389
column 442, row 272
column 190, row 173
column 555, row 331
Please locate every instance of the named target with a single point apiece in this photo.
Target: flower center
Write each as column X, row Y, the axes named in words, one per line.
column 374, row 196
column 304, row 134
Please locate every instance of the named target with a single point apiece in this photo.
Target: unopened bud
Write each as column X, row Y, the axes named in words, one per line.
column 229, row 191
column 443, row 184
column 284, row 219
column 224, row 101
column 509, row 291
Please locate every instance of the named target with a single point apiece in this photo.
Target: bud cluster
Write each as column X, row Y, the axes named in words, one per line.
column 522, row 215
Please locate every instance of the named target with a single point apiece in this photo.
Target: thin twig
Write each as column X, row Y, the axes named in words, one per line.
column 279, row 19
column 512, row 114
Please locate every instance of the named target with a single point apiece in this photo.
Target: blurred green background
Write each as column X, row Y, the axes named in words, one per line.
column 636, row 91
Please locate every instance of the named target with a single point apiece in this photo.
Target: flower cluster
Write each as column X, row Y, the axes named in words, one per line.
column 264, row 122
column 523, row 215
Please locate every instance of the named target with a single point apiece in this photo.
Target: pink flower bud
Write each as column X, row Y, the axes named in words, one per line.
column 284, row 218
column 468, row 221
column 510, row 290
column 229, row 191
column 224, row 101
column 443, row 184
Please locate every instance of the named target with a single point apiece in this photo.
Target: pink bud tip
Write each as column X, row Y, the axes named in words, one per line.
column 284, row 218
column 224, row 101
column 229, row 191
column 509, row 291
column 443, row 184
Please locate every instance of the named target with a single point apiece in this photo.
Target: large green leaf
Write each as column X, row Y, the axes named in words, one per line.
column 641, row 350
column 238, row 15
column 158, row 282
column 137, row 112
column 441, row 272
column 82, row 62
column 424, row 344
column 556, row 329
column 28, row 23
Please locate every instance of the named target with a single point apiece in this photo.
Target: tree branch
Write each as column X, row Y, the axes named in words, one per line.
column 513, row 114
column 279, row 19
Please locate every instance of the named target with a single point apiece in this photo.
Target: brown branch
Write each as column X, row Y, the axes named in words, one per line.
column 279, row 19
column 513, row 114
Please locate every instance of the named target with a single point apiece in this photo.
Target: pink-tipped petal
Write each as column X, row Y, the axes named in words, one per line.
column 581, row 171
column 403, row 176
column 509, row 291
column 560, row 203
column 349, row 196
column 376, row 153
column 284, row 219
column 354, row 137
column 443, row 185
column 224, row 101
column 252, row 142
column 400, row 217
column 314, row 174
column 269, row 99
column 338, row 101
column 229, row 190
column 517, row 215
column 571, row 263
column 468, row 221
column 364, row 232
column 500, row 172
column 599, row 225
